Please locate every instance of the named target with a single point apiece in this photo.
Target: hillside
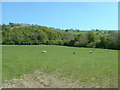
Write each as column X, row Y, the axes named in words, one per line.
column 25, row 34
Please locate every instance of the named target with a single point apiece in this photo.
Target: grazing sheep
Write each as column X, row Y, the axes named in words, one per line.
column 44, row 51
column 73, row 52
column 90, row 51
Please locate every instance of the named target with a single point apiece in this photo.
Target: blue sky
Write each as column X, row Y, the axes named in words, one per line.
column 63, row 15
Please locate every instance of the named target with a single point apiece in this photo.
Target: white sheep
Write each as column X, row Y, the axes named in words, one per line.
column 90, row 51
column 44, row 51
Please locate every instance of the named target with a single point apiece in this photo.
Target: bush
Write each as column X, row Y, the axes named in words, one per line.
column 91, row 45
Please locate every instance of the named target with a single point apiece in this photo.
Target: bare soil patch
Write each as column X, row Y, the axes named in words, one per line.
column 40, row 79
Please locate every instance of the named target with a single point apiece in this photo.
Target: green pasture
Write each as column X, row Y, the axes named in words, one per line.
column 100, row 67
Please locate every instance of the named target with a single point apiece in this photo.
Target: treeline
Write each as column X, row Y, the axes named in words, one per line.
column 21, row 34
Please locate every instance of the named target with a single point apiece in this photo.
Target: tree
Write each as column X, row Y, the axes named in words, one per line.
column 102, row 42
column 91, row 37
column 11, row 24
column 81, row 40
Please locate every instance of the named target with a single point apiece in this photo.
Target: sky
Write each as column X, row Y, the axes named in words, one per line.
column 63, row 15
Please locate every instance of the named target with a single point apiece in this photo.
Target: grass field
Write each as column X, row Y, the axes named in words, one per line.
column 99, row 67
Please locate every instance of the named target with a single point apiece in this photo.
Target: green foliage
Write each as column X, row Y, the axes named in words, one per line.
column 91, row 37
column 31, row 36
column 91, row 45
column 24, row 34
column 81, row 40
column 102, row 42
column 5, row 27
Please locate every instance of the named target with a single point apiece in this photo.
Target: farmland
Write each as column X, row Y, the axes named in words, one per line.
column 99, row 68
